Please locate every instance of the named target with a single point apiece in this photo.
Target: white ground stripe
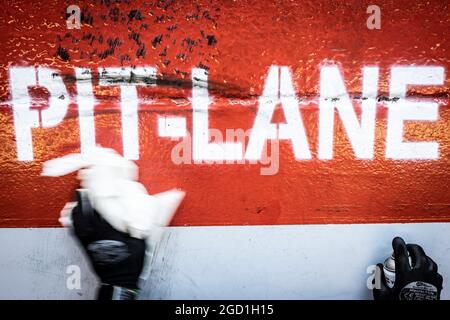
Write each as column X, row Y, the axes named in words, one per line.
column 251, row 262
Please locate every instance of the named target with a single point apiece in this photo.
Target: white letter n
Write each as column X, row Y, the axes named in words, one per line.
column 333, row 94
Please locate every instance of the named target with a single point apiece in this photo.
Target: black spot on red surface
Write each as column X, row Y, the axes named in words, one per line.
column 63, row 54
column 211, row 40
column 135, row 15
column 157, row 40
column 141, row 51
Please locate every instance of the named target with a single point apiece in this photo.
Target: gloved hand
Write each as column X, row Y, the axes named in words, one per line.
column 419, row 280
column 116, row 257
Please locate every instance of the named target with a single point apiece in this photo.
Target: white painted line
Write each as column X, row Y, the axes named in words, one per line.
column 224, row 262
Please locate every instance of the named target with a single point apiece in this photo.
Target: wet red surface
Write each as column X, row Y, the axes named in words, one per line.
column 237, row 41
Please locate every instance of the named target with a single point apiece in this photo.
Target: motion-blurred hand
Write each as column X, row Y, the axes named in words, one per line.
column 116, row 257
column 114, row 217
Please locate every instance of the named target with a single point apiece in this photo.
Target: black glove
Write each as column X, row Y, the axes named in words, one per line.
column 419, row 280
column 116, row 257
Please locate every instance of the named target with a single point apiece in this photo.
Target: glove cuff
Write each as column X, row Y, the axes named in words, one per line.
column 109, row 292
